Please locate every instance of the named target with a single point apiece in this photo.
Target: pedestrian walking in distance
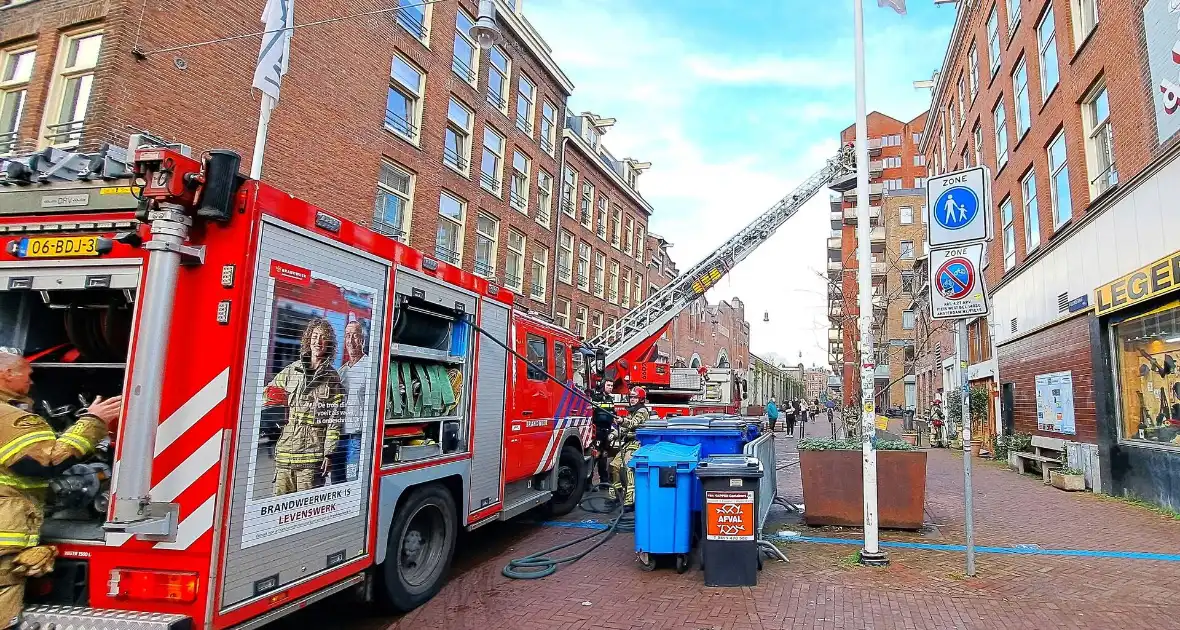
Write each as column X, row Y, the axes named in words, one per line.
column 772, row 414
column 792, row 415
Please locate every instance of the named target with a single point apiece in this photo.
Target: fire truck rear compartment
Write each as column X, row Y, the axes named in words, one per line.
column 77, row 340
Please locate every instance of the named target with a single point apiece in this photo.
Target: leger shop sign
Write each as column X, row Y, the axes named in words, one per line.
column 1158, row 278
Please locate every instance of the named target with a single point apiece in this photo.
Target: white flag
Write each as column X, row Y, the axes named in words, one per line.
column 278, row 18
column 896, row 5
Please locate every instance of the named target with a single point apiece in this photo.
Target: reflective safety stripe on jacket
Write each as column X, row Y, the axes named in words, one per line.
column 19, row 539
column 22, row 483
column 13, row 447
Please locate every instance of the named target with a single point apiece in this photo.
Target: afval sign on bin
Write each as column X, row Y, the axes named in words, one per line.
column 958, row 225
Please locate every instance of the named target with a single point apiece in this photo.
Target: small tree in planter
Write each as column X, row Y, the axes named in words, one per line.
column 833, row 493
column 979, row 400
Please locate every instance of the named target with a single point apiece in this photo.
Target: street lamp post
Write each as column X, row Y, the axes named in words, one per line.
column 485, row 32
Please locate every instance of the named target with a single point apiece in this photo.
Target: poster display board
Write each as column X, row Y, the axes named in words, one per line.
column 1055, row 402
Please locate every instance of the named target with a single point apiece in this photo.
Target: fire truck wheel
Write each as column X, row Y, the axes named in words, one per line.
column 571, row 482
column 421, row 544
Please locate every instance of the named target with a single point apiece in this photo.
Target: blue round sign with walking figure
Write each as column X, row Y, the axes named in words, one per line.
column 956, row 207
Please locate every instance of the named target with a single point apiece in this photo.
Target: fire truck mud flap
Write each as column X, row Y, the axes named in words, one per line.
column 61, row 617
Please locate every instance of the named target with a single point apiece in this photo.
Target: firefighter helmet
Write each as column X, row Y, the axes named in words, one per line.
column 639, row 393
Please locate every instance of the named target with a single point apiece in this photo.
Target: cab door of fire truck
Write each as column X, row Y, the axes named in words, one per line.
column 530, row 426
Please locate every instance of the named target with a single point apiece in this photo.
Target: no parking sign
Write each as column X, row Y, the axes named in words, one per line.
column 956, row 286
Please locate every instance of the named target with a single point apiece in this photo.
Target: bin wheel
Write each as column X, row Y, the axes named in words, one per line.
column 682, row 562
column 647, row 562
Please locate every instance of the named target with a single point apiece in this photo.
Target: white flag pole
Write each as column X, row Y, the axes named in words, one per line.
column 871, row 554
column 268, row 105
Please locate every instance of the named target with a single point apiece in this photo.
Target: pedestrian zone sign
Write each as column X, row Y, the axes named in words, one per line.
column 958, row 205
column 956, row 283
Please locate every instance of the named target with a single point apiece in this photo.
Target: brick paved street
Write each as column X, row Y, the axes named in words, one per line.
column 822, row 587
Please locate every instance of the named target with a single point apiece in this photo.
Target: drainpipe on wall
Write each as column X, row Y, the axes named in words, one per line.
column 557, row 225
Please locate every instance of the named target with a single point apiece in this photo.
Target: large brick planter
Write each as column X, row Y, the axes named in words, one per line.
column 833, row 493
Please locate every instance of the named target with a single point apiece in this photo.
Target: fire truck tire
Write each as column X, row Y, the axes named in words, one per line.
column 421, row 545
column 571, row 482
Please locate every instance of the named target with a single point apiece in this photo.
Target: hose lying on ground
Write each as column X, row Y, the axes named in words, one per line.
column 539, row 564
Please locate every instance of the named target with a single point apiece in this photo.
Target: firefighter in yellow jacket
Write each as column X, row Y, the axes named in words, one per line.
column 637, row 415
column 315, row 400
column 31, row 454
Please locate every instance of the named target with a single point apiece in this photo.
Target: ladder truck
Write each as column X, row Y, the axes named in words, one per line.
column 628, row 347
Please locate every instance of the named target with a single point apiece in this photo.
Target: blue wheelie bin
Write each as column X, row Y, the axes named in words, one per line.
column 716, row 434
column 665, row 482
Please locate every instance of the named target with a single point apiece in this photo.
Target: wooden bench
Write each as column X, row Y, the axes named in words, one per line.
column 1047, row 453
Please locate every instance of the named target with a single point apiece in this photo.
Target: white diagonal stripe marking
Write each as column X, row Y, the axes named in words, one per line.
column 189, row 470
column 192, row 411
column 193, row 527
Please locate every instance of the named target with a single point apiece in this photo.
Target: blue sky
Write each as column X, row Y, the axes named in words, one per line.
column 736, row 102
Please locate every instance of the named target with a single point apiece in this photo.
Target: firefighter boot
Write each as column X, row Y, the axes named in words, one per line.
column 12, row 593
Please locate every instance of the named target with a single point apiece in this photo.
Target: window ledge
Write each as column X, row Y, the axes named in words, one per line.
column 407, row 139
column 1082, row 46
column 1047, row 97
column 18, row 3
column 1001, row 167
column 454, row 169
column 1019, row 140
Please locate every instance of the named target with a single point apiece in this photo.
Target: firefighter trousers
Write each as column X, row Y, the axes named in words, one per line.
column 288, row 480
column 620, row 470
column 12, row 592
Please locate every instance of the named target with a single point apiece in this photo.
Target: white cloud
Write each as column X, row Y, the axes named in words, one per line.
column 667, row 95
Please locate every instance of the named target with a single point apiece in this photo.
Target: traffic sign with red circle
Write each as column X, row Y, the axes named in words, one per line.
column 956, row 278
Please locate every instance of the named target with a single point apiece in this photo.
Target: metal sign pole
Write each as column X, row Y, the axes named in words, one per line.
column 968, row 498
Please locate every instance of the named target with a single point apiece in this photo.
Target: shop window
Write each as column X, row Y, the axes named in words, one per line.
column 1146, row 348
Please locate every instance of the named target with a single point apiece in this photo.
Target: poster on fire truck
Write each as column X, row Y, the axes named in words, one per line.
column 317, row 404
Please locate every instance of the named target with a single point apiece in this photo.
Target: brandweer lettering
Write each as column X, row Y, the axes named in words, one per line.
column 267, row 510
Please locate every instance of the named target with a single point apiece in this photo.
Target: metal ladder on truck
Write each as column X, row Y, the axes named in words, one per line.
column 648, row 318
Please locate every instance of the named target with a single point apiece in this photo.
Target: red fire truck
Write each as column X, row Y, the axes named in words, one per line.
column 311, row 407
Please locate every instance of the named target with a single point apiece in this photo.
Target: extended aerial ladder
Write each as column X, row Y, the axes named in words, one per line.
column 631, row 337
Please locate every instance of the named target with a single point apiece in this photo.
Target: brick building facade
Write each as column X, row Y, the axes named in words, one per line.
column 894, row 164
column 602, row 230
column 1072, row 106
column 903, row 213
column 711, row 335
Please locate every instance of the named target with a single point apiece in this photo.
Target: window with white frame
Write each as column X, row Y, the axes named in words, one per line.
column 73, row 82
column 906, row 215
column 966, row 157
column 977, row 139
column 597, row 323
column 395, row 194
column 465, row 58
column 973, row 78
column 639, row 289
column 403, row 104
column 584, row 266
column 893, row 162
column 892, row 184
column 613, row 294
column 962, row 103
column 917, row 138
column 599, row 273
column 16, row 68
column 919, row 182
column 415, row 18
column 526, row 103
column 457, row 137
column 448, row 245
column 514, row 261
column 907, row 250
column 919, row 160
column 498, row 73
column 907, row 320
column 600, row 215
column 1001, row 122
column 569, row 188
column 1059, row 181
column 1009, row 233
column 1085, row 18
column 1047, row 46
column 587, row 202
column 640, row 243
column 519, row 195
column 907, row 282
column 1099, row 141
column 491, row 167
column 487, row 230
column 565, row 257
column 1013, row 14
column 1020, row 87
column 540, row 272
column 581, row 322
column 561, row 315
column 626, row 286
column 544, row 197
column 629, row 237
column 616, row 227
column 952, row 128
column 993, row 41
column 548, row 128
column 1032, row 216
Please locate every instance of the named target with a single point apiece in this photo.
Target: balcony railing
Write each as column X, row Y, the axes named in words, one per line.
column 446, row 255
column 613, row 295
column 567, row 207
column 388, row 229
column 546, row 145
column 875, row 190
column 484, row 269
column 7, row 142
column 850, row 214
column 412, row 24
column 490, row 183
column 462, row 69
column 834, row 242
column 835, row 266
column 512, row 281
column 497, row 100
column 877, row 234
column 537, row 291
column 876, row 166
column 518, row 201
column 564, row 274
column 454, row 159
column 394, row 121
column 523, row 124
column 597, row 287
column 66, row 133
column 583, row 282
column 879, row 268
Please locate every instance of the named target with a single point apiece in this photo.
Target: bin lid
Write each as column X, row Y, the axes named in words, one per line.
column 667, row 454
column 730, row 466
column 647, row 429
